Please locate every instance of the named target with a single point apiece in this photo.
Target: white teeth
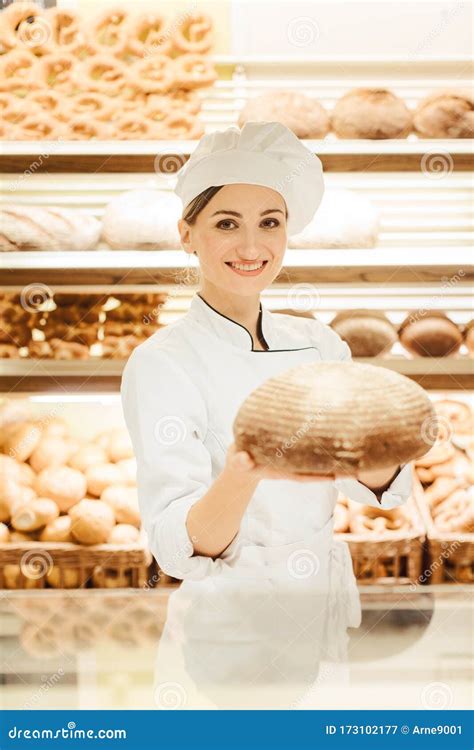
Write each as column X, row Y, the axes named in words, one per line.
column 247, row 266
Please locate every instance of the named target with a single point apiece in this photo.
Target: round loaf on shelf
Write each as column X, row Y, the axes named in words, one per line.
column 468, row 335
column 142, row 220
column 64, row 485
column 335, row 418
column 368, row 333
column 372, row 113
column 446, row 114
column 302, row 114
column 430, row 333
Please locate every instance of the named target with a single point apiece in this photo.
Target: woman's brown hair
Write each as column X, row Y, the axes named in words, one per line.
column 199, row 203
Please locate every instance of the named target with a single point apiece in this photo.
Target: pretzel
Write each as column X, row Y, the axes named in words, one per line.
column 24, row 26
column 193, row 71
column 178, row 100
column 366, row 519
column 442, row 488
column 457, row 466
column 458, row 413
column 40, row 125
column 133, row 126
column 193, row 34
column 456, row 513
column 58, row 71
column 91, row 104
column 105, row 74
column 50, row 102
column 85, row 49
column 16, row 112
column 181, row 126
column 440, row 452
column 109, row 29
column 65, row 25
column 147, row 35
column 155, row 74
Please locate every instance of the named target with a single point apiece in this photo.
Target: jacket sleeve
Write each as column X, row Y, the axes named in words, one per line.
column 166, row 417
column 333, row 347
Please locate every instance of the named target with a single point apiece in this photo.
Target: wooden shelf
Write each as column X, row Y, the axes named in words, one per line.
column 81, row 377
column 143, row 156
column 164, row 267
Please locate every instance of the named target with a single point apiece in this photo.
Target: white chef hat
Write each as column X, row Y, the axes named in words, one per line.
column 261, row 153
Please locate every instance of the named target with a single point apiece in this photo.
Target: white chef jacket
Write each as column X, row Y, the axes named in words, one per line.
column 181, row 390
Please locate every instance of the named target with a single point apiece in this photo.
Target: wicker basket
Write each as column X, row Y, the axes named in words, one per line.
column 393, row 558
column 131, row 563
column 450, row 556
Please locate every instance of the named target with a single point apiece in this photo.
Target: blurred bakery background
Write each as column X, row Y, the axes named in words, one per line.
column 101, row 104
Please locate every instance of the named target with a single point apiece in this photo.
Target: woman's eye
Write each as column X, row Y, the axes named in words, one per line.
column 221, row 224
column 276, row 223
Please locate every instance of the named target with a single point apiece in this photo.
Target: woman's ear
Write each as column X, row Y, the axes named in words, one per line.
column 185, row 235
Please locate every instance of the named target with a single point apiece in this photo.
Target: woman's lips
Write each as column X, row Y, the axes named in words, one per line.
column 241, row 272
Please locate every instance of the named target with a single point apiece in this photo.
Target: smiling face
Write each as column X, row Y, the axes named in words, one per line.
column 240, row 238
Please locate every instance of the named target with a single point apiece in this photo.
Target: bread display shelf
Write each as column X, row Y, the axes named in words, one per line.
column 141, row 156
column 130, row 561
column 450, row 556
column 27, row 375
column 348, row 266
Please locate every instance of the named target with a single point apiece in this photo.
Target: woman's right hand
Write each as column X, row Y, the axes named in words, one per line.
column 242, row 462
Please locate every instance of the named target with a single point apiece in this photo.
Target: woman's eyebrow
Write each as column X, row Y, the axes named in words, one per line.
column 235, row 213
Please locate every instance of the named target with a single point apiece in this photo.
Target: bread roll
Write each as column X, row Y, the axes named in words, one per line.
column 468, row 335
column 124, row 533
column 335, row 418
column 430, row 333
column 13, row 494
column 124, row 503
column 371, row 113
column 50, row 451
column 92, row 521
column 22, row 536
column 65, row 578
column 100, row 476
column 19, row 472
column 58, row 530
column 446, row 114
column 26, row 227
column 120, row 446
column 302, row 114
column 142, row 220
column 368, row 333
column 128, row 467
column 35, row 514
column 64, row 485
column 12, row 412
column 110, row 578
column 22, row 440
column 5, row 533
column 344, row 219
column 87, row 455
column 13, row 579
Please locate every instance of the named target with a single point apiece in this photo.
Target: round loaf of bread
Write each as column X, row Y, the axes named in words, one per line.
column 371, row 113
column 468, row 334
column 446, row 114
column 302, row 114
column 368, row 333
column 142, row 220
column 335, row 418
column 430, row 333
